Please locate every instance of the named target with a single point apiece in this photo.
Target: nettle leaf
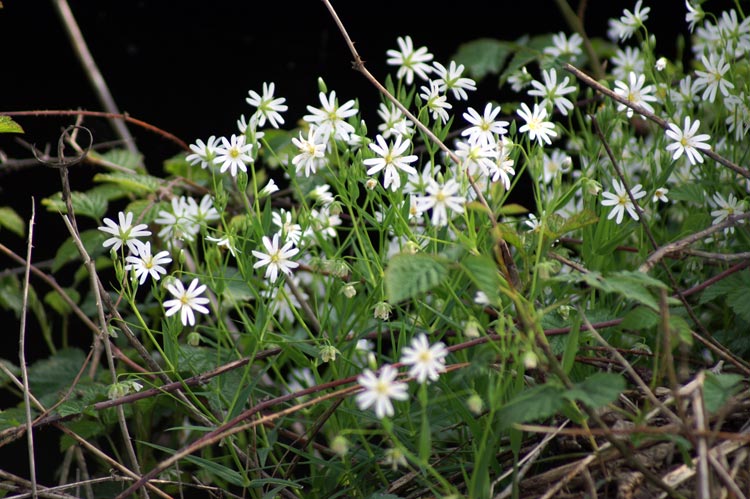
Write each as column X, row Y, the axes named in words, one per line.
column 483, row 272
column 55, row 374
column 640, row 318
column 632, row 285
column 408, row 275
column 7, row 125
column 89, row 204
column 137, row 184
column 482, row 56
column 718, row 388
column 533, row 404
column 121, row 157
column 11, row 221
column 597, row 390
column 92, row 240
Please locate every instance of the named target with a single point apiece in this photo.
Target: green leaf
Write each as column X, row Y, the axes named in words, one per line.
column 58, row 304
column 634, row 285
column 718, row 388
column 85, row 428
column 408, row 275
column 89, row 204
column 121, row 157
column 532, row 404
column 92, row 240
column 577, row 221
column 7, row 125
column 640, row 318
column 597, row 390
column 482, row 56
column 139, row 185
column 11, row 221
column 55, row 374
column 483, row 272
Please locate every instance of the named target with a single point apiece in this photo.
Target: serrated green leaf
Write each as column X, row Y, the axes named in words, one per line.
column 8, row 125
column 634, row 286
column 121, row 157
column 92, row 240
column 532, row 404
column 89, row 204
column 139, row 185
column 483, row 272
column 640, row 318
column 12, row 368
column 11, row 221
column 84, row 428
column 525, row 50
column 718, row 388
column 482, row 56
column 55, row 374
column 408, row 275
column 694, row 192
column 597, row 390
column 13, row 417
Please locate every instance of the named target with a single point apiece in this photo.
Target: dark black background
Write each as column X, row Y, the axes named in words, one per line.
column 186, row 67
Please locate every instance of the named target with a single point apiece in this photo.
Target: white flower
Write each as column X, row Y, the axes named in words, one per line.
column 451, row 79
column 331, row 118
column 520, row 79
column 378, row 390
column 552, row 92
column 555, row 164
column 233, row 154
column 186, row 301
column 179, row 223
column 477, row 157
column 124, row 233
column 436, row 102
column 503, row 167
column 660, row 194
column 204, row 212
column 391, row 159
column 322, row 195
column 427, row 362
column 409, row 61
column 268, row 107
column 627, row 60
column 621, row 201
column 693, row 15
column 439, row 198
column 277, row 259
column 629, row 22
column 283, row 220
column 635, row 93
column 394, row 123
column 661, row 63
column 712, row 79
column 268, row 189
column 485, row 128
column 533, row 223
column 203, row 153
column 564, row 46
column 726, row 208
column 537, row 125
column 223, row 242
column 145, row 264
column 311, row 151
column 686, row 141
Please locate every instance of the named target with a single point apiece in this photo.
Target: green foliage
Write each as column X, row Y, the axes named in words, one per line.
column 408, row 275
column 483, row 56
column 10, row 220
column 7, row 125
